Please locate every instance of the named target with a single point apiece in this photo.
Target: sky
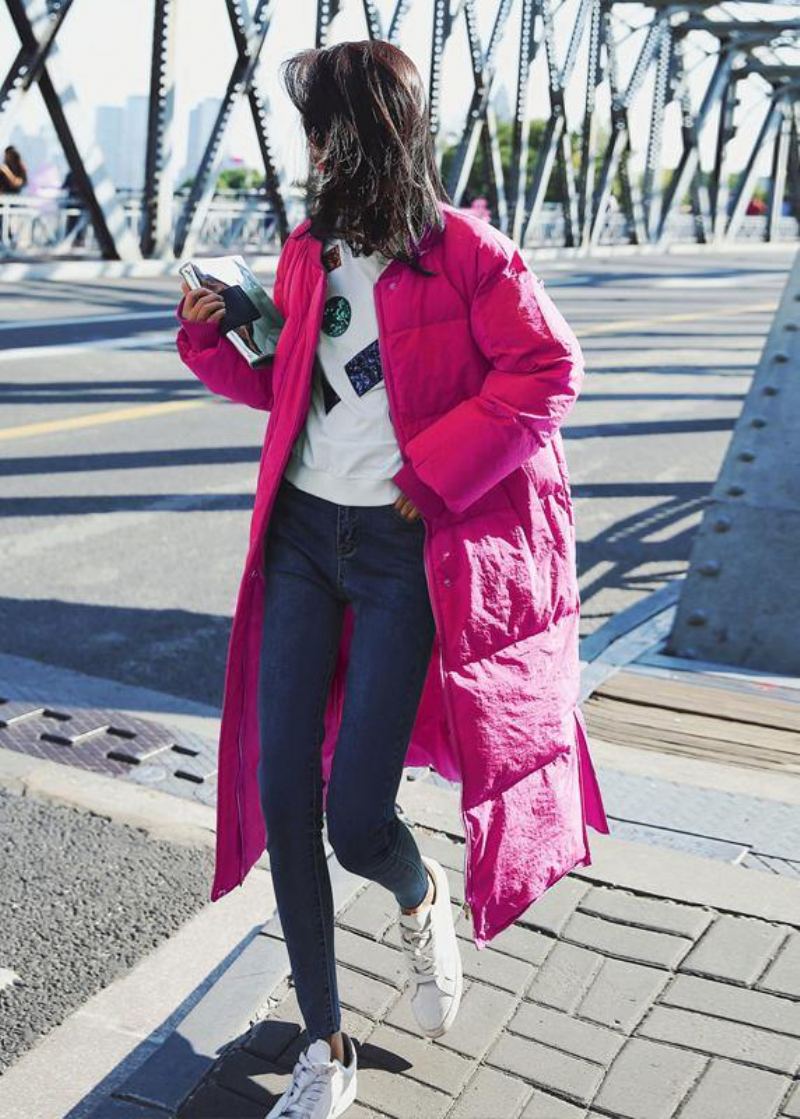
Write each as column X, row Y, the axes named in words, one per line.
column 105, row 47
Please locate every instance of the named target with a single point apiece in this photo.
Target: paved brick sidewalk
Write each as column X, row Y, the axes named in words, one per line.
column 600, row 1002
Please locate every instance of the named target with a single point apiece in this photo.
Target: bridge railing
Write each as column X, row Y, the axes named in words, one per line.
column 54, row 224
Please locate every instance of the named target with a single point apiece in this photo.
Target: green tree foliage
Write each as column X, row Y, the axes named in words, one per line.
column 233, row 178
column 478, row 183
column 240, row 178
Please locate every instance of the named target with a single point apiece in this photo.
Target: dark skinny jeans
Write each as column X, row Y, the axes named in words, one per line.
column 318, row 556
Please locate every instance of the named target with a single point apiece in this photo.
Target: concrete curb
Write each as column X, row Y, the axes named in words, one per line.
column 696, row 772
column 243, row 995
column 625, row 650
column 596, row 646
column 692, row 879
column 160, row 814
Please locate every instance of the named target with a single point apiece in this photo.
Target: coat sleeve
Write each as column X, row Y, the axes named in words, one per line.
column 534, row 376
column 217, row 362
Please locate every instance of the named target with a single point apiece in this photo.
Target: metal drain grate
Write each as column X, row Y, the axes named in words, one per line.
column 106, row 741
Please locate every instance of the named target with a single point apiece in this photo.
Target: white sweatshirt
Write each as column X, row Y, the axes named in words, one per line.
column 347, row 451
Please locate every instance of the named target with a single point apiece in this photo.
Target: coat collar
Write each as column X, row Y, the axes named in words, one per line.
column 429, row 237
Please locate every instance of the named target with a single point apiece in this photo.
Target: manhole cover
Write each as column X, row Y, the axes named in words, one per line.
column 106, row 741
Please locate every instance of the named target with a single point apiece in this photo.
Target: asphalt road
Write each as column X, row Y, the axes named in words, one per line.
column 126, row 487
column 84, row 899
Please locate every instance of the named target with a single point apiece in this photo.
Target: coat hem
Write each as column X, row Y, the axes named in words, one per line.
column 592, row 816
column 481, row 940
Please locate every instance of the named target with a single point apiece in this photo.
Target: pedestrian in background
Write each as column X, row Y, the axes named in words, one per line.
column 13, row 172
column 409, row 594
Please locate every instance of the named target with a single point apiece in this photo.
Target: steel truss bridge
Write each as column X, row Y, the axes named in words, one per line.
column 585, row 164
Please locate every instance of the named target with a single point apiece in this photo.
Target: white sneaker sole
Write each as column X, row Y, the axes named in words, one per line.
column 451, row 1013
column 348, row 1098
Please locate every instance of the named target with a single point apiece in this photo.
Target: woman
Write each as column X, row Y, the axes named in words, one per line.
column 13, row 172
column 409, row 595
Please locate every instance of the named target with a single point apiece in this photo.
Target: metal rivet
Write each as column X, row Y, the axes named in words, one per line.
column 722, row 524
column 709, row 567
column 735, row 491
column 746, row 456
column 781, row 358
column 447, row 582
column 697, row 618
column 790, row 326
column 770, row 390
column 758, row 421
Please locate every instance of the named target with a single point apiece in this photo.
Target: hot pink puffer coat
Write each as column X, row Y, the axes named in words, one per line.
column 480, row 370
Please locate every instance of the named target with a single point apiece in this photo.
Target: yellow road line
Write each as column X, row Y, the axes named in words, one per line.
column 679, row 316
column 89, row 419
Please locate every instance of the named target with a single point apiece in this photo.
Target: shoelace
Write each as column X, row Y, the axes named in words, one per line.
column 308, row 1082
column 418, row 945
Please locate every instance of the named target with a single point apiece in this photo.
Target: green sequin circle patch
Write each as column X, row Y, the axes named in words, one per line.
column 336, row 316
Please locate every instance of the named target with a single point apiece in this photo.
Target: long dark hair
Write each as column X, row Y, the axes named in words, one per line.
column 15, row 162
column 373, row 179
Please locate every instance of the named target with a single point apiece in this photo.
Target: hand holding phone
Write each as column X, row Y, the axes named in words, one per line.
column 224, row 291
column 202, row 305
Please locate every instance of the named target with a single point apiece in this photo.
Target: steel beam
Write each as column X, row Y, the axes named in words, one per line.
column 739, row 603
column 33, row 23
column 692, row 127
column 249, row 36
column 718, row 187
column 555, row 143
column 747, row 180
column 588, row 157
column 159, row 174
column 777, row 185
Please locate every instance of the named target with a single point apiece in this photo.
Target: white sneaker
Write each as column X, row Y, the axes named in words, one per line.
column 322, row 1087
column 429, row 942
